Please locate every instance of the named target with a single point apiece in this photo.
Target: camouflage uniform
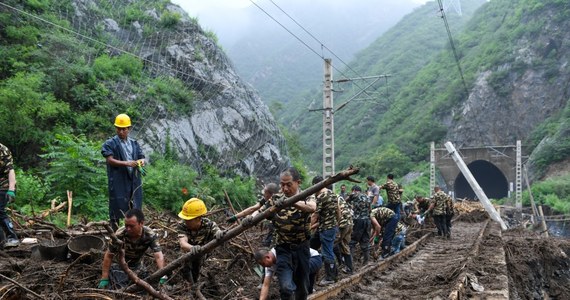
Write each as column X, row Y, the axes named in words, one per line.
column 342, row 249
column 134, row 252
column 327, row 207
column 388, row 222
column 6, row 165
column 268, row 240
column 292, row 231
column 399, row 241
column 394, row 193
column 421, row 207
column 345, row 226
column 439, row 201
column 361, row 205
column 449, row 213
column 202, row 236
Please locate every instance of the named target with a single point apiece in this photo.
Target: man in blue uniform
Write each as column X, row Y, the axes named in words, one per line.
column 123, row 156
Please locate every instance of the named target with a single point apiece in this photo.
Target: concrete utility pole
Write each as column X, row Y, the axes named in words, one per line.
column 475, row 185
column 328, row 122
column 328, row 113
column 431, row 168
column 518, row 179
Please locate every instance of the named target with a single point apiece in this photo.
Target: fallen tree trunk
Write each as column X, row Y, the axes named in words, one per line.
column 344, row 175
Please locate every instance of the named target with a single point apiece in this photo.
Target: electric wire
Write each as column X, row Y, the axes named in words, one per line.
column 318, row 41
column 453, row 49
column 305, row 44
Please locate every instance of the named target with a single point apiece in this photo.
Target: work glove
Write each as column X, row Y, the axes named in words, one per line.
column 219, row 234
column 231, row 219
column 164, row 279
column 195, row 249
column 10, row 196
column 103, row 284
column 247, row 221
column 141, row 168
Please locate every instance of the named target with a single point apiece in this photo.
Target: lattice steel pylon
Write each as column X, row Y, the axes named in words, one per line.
column 452, row 5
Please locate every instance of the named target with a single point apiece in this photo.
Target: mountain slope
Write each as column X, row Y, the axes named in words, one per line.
column 361, row 126
column 72, row 65
column 280, row 67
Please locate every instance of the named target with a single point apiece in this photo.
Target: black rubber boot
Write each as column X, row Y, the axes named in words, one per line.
column 329, row 275
column 339, row 256
column 365, row 257
column 348, row 264
column 11, row 236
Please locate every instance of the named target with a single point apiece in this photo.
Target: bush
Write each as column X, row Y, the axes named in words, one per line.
column 31, row 192
column 75, row 164
column 169, row 19
column 168, row 185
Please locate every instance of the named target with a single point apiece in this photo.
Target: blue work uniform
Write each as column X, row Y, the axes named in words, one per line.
column 124, row 183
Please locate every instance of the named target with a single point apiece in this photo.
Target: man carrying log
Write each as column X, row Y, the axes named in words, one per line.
column 292, row 237
column 136, row 239
column 194, row 232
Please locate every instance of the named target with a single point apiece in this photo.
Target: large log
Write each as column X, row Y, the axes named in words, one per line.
column 344, row 175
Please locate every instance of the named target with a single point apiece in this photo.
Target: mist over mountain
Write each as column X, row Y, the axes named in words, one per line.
column 280, row 66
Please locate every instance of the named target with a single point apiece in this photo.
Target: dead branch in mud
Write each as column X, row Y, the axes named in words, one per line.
column 21, row 286
column 64, row 275
column 132, row 275
column 199, row 291
column 99, row 291
column 239, row 222
column 229, row 234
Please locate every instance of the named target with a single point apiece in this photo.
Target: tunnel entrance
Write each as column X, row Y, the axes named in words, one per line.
column 489, row 177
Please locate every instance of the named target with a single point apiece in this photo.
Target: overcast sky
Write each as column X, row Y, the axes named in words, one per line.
column 230, row 19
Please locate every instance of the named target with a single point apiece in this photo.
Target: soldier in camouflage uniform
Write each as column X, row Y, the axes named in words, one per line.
column 384, row 221
column 438, row 210
column 194, row 232
column 268, row 191
column 136, row 239
column 7, row 194
column 342, row 249
column 394, row 193
column 399, row 241
column 361, row 207
column 421, row 205
column 292, row 226
column 327, row 214
column 449, row 213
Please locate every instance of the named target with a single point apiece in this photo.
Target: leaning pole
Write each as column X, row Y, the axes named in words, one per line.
column 474, row 185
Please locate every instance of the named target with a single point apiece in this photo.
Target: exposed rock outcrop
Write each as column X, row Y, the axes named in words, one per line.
column 228, row 126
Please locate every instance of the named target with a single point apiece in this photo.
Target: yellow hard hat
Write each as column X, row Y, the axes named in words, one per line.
column 122, row 121
column 193, row 208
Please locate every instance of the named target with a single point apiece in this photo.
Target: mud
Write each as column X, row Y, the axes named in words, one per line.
column 538, row 267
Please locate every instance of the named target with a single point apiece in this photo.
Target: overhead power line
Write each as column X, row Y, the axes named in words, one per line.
column 443, row 16
column 363, row 90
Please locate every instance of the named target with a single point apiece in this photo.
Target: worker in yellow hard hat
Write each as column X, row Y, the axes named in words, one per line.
column 124, row 159
column 195, row 231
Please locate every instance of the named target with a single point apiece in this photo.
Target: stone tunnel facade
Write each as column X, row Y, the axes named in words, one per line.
column 494, row 168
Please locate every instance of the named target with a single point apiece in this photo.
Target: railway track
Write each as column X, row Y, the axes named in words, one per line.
column 430, row 268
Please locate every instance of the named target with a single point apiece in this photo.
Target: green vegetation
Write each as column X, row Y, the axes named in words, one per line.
column 554, row 192
column 59, row 94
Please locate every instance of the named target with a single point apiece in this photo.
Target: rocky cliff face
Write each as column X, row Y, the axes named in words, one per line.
column 508, row 102
column 228, row 125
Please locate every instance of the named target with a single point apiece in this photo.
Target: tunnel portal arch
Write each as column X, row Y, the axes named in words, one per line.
column 491, row 179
